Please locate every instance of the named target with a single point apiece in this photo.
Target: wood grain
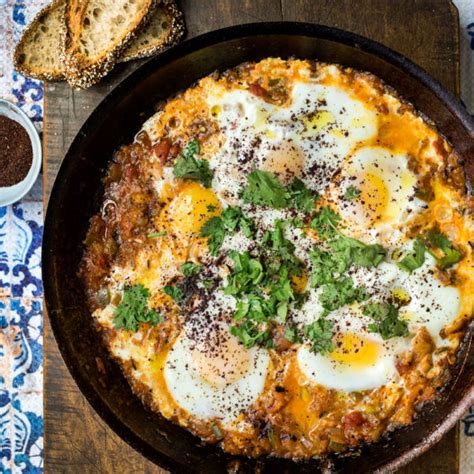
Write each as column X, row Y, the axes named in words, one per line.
column 426, row 31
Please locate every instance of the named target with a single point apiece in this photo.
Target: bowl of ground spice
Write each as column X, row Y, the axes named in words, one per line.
column 20, row 153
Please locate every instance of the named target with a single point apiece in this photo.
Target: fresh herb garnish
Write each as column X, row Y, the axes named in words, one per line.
column 189, row 268
column 175, row 293
column 215, row 230
column 234, row 219
column 450, row 254
column 247, row 273
column 414, row 259
column 208, row 283
column 325, row 223
column 351, row 193
column 291, row 333
column 264, row 188
column 320, row 334
column 282, row 250
column 133, row 310
column 387, row 321
column 349, row 250
column 153, row 235
column 230, row 221
column 343, row 251
column 300, row 197
column 211, row 208
column 249, row 334
column 339, row 293
column 189, row 167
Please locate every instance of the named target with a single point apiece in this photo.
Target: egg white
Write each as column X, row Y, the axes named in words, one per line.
column 430, row 305
column 309, row 138
column 215, row 397
column 387, row 186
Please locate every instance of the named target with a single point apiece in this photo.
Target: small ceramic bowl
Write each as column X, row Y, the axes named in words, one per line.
column 12, row 194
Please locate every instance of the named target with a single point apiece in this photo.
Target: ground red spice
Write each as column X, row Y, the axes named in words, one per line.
column 16, row 152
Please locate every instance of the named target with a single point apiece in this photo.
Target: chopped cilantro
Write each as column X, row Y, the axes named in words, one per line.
column 208, row 284
column 234, row 219
column 189, row 268
column 340, row 293
column 153, row 235
column 175, row 293
column 323, row 266
column 134, row 310
column 264, row 188
column 351, row 193
column 451, row 254
column 325, row 222
column 250, row 334
column 345, row 251
column 291, row 333
column 414, row 259
column 282, row 250
column 387, row 321
column 211, row 208
column 301, row 197
column 215, row 230
column 254, row 307
column 354, row 251
column 300, row 299
column 320, row 334
column 191, row 149
column 230, row 221
column 188, row 167
column 247, row 273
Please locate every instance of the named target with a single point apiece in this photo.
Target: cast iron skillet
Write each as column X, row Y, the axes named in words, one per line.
column 76, row 196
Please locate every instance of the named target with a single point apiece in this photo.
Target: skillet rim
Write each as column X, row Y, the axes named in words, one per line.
column 179, row 51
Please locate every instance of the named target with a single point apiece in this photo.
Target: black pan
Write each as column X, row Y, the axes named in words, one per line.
column 76, row 196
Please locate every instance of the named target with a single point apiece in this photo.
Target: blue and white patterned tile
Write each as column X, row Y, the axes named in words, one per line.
column 4, row 254
column 21, row 385
column 27, row 93
column 28, row 428
column 21, row 229
column 6, row 432
column 4, row 305
column 21, row 434
column 25, row 230
column 26, row 327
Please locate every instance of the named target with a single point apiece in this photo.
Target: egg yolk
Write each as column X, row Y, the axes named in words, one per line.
column 355, row 351
column 373, row 196
column 222, row 363
column 316, row 122
column 286, row 160
column 299, row 282
column 191, row 209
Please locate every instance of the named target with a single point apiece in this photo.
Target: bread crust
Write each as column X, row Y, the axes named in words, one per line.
column 19, row 64
column 79, row 72
column 171, row 35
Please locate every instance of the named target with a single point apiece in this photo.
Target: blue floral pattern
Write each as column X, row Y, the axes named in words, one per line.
column 21, row 290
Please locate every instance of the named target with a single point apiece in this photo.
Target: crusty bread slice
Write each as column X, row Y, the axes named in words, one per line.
column 37, row 53
column 165, row 28
column 96, row 34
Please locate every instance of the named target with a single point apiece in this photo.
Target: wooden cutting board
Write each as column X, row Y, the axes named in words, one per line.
column 426, row 31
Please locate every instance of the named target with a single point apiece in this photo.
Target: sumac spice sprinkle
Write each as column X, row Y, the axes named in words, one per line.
column 16, row 153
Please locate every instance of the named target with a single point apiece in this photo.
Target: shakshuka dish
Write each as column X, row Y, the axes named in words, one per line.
column 283, row 259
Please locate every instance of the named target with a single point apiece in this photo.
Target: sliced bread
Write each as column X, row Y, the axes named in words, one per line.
column 165, row 28
column 37, row 53
column 97, row 33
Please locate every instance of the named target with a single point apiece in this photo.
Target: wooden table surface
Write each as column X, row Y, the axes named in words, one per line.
column 426, row 31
